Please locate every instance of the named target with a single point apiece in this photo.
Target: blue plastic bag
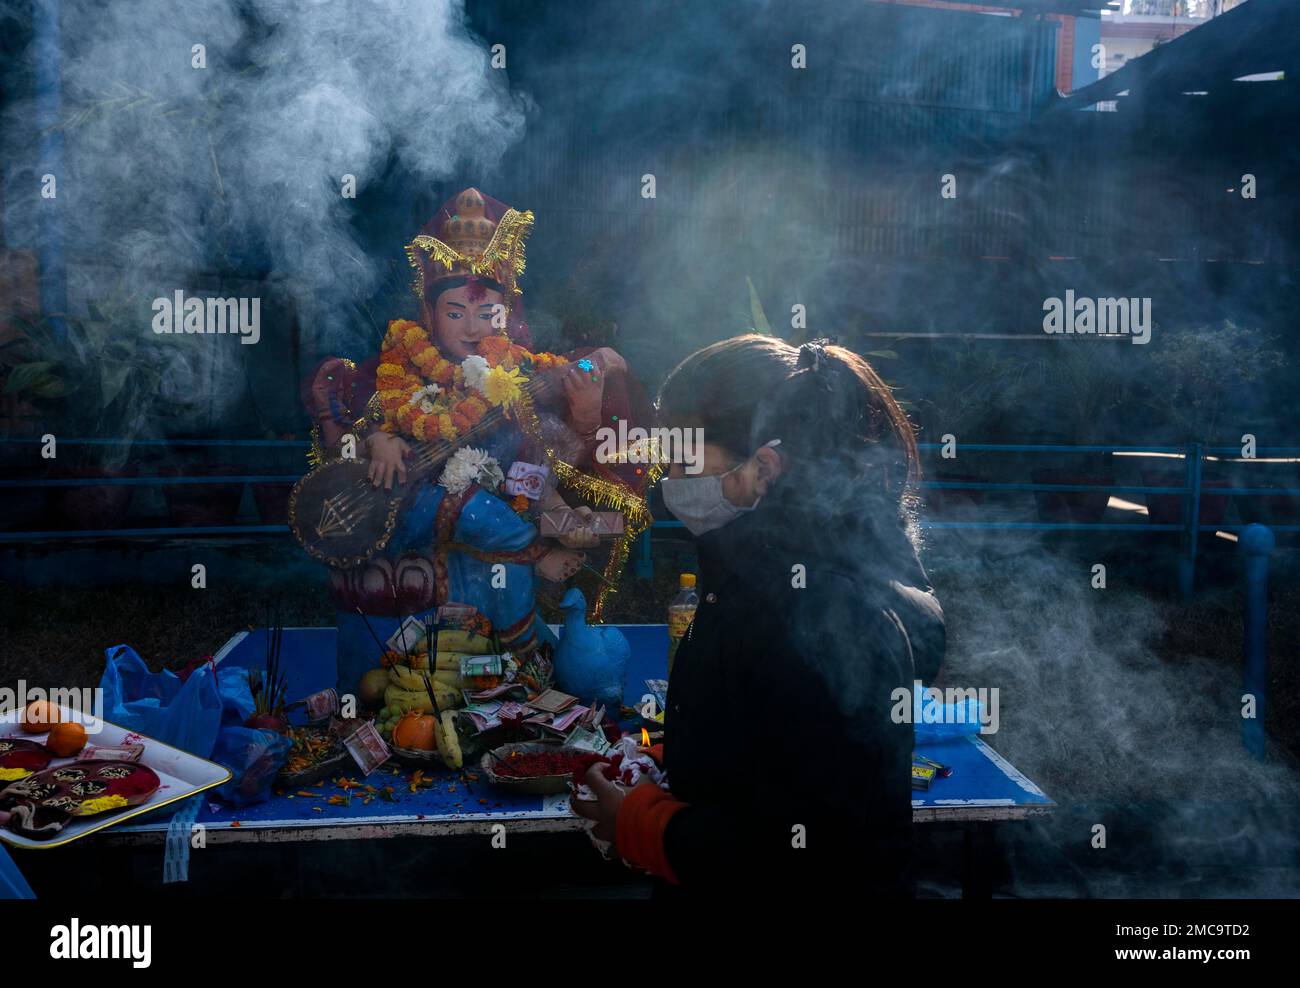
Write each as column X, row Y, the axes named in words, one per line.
column 948, row 721
column 185, row 714
column 254, row 756
column 236, row 695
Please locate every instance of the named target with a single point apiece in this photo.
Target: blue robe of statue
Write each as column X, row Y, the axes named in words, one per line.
column 487, row 524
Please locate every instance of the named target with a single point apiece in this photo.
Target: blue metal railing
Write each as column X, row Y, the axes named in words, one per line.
column 138, row 533
column 159, row 480
column 1190, row 493
column 1256, row 544
column 166, row 443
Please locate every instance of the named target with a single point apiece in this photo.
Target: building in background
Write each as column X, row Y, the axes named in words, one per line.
column 1131, row 28
column 1097, row 37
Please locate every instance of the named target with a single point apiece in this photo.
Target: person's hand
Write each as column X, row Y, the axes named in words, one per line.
column 584, row 391
column 584, row 537
column 387, row 459
column 604, row 808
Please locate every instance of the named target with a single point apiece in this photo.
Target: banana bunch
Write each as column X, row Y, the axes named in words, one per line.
column 451, row 645
column 406, row 690
column 409, row 699
column 448, row 741
column 450, row 661
column 464, row 641
column 413, row 679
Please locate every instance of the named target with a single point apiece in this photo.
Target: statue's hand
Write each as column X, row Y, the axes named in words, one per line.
column 584, row 390
column 583, row 537
column 609, row 360
column 387, row 459
column 559, row 565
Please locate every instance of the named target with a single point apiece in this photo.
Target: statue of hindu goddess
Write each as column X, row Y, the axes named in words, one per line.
column 523, row 426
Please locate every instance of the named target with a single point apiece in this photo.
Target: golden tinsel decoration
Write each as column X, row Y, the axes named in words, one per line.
column 600, row 492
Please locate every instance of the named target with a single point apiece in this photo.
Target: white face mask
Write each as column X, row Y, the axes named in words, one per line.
column 698, row 502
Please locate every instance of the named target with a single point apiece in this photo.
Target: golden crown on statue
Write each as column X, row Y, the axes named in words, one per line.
column 463, row 238
column 468, row 231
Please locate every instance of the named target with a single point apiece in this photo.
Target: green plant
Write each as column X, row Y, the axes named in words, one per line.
column 1088, row 382
column 30, row 386
column 1215, row 381
column 91, row 377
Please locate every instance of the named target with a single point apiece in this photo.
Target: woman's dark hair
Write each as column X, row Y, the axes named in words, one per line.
column 840, row 428
column 717, row 388
column 436, row 289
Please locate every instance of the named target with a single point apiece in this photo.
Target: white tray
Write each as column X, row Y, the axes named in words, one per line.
column 180, row 773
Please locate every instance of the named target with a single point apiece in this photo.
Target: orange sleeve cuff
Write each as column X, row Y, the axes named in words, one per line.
column 639, row 829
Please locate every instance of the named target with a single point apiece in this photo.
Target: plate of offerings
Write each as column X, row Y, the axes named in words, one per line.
column 114, row 776
column 534, row 767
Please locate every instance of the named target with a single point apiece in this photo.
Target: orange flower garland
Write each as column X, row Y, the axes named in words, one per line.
column 410, row 362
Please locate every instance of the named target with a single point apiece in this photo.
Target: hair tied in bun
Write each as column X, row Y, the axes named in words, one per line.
column 812, row 355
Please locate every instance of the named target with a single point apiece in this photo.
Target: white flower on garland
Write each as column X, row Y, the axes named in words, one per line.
column 474, row 371
column 471, row 466
column 423, row 397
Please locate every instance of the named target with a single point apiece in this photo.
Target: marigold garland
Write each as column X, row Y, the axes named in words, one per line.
column 409, row 361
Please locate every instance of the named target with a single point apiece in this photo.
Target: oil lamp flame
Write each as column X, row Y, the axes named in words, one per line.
column 645, row 738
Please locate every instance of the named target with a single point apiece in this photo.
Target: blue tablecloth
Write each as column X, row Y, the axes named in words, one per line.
column 980, row 777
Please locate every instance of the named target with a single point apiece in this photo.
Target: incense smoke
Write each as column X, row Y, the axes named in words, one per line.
column 230, row 177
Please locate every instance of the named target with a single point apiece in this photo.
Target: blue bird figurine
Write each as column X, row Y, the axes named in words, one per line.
column 591, row 660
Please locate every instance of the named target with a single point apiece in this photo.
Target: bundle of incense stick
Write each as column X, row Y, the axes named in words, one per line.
column 269, row 689
column 428, row 686
column 382, row 650
column 401, row 622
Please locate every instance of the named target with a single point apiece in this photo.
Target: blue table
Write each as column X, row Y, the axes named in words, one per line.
column 984, row 787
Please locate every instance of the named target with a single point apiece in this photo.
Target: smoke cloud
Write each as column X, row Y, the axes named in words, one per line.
column 174, row 172
column 1115, row 731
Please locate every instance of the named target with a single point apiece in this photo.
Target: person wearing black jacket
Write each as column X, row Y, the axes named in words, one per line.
column 787, row 772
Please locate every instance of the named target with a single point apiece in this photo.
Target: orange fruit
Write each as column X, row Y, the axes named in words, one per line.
column 39, row 716
column 415, row 731
column 66, row 740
